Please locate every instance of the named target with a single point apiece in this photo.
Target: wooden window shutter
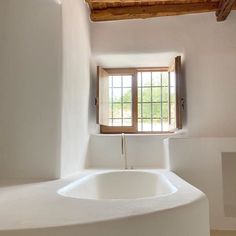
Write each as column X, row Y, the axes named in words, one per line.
column 102, row 98
column 176, row 79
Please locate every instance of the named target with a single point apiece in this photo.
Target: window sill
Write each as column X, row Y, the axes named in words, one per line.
column 170, row 134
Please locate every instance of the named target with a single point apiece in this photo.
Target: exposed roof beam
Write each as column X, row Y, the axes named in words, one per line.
column 103, row 4
column 224, row 9
column 147, row 11
column 106, row 10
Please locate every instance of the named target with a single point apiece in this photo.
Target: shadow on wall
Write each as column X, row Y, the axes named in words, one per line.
column 184, row 90
column 229, row 183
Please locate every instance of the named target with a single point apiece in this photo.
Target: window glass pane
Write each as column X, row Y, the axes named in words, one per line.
column 156, row 78
column 117, row 95
column 117, row 81
column 173, row 123
column 156, row 94
column 117, row 110
column 127, row 110
column 139, row 110
column 165, row 94
column 110, row 95
column 146, row 94
column 165, row 108
column 147, row 125
column 127, row 81
column 172, row 79
column 165, row 124
column 139, row 94
column 127, row 122
column 139, row 125
column 127, row 95
column 117, row 122
column 172, row 110
column 156, row 125
column 153, row 100
column 120, row 100
column 146, row 110
column 156, row 110
column 146, row 79
column 165, row 79
column 110, row 122
column 110, row 110
column 172, row 94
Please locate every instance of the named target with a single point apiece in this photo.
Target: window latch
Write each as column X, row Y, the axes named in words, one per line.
column 182, row 102
column 95, row 101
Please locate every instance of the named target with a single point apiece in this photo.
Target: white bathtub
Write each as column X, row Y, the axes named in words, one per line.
column 119, row 185
column 105, row 203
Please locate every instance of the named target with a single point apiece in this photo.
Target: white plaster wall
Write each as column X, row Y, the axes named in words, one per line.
column 142, row 151
column 198, row 161
column 209, row 50
column 76, row 102
column 45, row 102
column 30, row 88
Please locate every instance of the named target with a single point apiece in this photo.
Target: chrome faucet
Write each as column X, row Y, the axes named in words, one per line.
column 123, row 151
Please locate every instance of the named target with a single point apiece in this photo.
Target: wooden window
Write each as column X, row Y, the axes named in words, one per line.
column 140, row 100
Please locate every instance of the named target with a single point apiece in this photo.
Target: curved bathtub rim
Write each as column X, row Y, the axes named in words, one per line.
column 62, row 190
column 198, row 196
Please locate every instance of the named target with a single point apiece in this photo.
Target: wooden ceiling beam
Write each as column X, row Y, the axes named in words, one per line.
column 107, row 10
column 224, row 9
column 135, row 12
column 103, row 4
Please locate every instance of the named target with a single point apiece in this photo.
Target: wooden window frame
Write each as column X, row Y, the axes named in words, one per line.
column 175, row 66
column 125, row 129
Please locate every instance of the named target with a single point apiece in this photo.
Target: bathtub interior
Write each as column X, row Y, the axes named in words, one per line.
column 119, row 185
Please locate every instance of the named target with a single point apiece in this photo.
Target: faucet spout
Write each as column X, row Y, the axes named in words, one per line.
column 123, row 151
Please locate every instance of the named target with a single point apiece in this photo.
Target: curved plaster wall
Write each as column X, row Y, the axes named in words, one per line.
column 44, row 87
column 30, row 88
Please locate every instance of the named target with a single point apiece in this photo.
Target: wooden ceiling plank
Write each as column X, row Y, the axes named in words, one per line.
column 106, row 10
column 224, row 9
column 135, row 12
column 219, row 7
column 103, row 4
